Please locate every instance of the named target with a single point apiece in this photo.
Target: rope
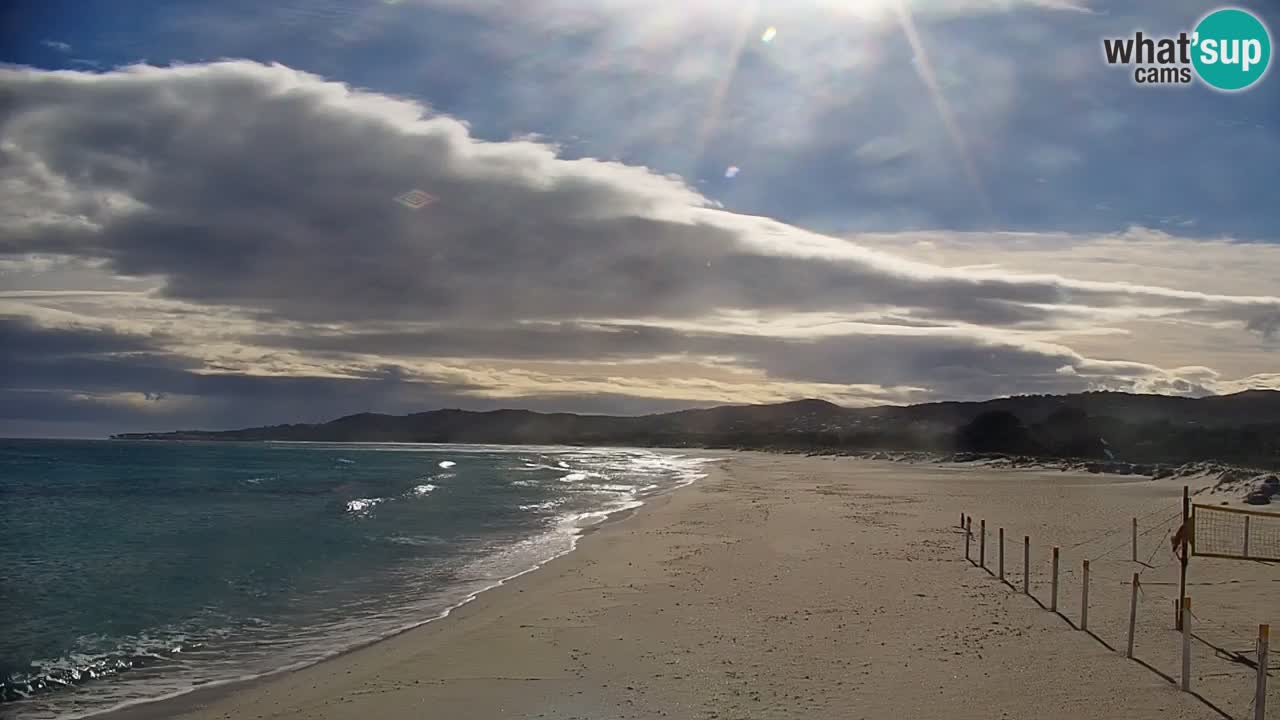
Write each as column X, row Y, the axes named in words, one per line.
column 1200, row 623
column 1011, row 540
column 1048, row 563
column 1167, row 534
column 1147, row 565
column 1110, row 550
column 1112, row 532
column 1141, row 534
column 1092, row 539
column 1161, row 524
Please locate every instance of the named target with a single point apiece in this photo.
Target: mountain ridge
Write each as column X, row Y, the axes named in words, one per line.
column 1242, row 427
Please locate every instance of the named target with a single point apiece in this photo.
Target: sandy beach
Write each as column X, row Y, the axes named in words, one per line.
column 792, row 587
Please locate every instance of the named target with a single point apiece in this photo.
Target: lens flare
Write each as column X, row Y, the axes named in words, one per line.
column 715, row 103
column 925, row 70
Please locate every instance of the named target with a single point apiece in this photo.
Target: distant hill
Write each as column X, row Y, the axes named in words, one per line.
column 1240, row 428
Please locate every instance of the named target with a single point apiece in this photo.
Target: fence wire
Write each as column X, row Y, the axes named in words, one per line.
column 1216, row 532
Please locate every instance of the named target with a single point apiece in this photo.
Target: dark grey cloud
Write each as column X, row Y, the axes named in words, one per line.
column 92, row 360
column 1265, row 324
column 97, row 381
column 271, row 190
column 79, row 375
column 117, row 382
column 22, row 338
column 70, row 381
column 268, row 196
column 949, row 366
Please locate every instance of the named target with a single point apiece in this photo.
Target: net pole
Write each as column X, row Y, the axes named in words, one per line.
column 1026, row 565
column 1084, row 598
column 982, row 544
column 1001, row 553
column 1053, row 599
column 1186, row 530
column 1246, row 536
column 1133, row 614
column 1260, row 692
column 1186, row 644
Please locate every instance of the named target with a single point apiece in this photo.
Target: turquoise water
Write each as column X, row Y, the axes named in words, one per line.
column 137, row 570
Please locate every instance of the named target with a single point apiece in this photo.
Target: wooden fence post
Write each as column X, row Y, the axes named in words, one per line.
column 1084, row 599
column 1026, row 564
column 1135, row 539
column 1186, row 644
column 1001, row 553
column 1133, row 614
column 961, row 519
column 1053, row 599
column 1246, row 536
column 968, row 524
column 982, row 544
column 1260, row 694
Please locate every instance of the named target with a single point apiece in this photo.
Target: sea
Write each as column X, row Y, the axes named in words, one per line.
column 135, row 571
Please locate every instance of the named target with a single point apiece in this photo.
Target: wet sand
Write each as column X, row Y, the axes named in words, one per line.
column 791, row 587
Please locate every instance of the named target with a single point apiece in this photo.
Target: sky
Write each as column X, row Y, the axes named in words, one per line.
column 235, row 213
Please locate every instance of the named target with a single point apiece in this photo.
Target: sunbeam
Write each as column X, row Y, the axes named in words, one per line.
column 715, row 104
column 924, row 68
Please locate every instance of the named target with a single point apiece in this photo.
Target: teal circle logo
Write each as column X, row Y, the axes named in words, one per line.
column 1231, row 49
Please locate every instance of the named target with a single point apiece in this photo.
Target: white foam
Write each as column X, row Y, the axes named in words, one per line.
column 535, row 466
column 446, row 464
column 627, row 489
column 490, row 572
column 362, row 506
column 548, row 505
column 420, row 490
column 417, row 541
column 577, row 522
column 574, row 477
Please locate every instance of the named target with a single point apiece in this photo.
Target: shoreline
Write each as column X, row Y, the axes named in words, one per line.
column 784, row 586
column 185, row 701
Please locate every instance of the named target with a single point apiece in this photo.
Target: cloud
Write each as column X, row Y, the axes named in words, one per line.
column 56, row 45
column 1065, row 5
column 569, row 16
column 160, row 172
column 691, row 90
column 198, row 236
column 83, row 374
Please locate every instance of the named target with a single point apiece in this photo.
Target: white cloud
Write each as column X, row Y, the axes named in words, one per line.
column 242, row 218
